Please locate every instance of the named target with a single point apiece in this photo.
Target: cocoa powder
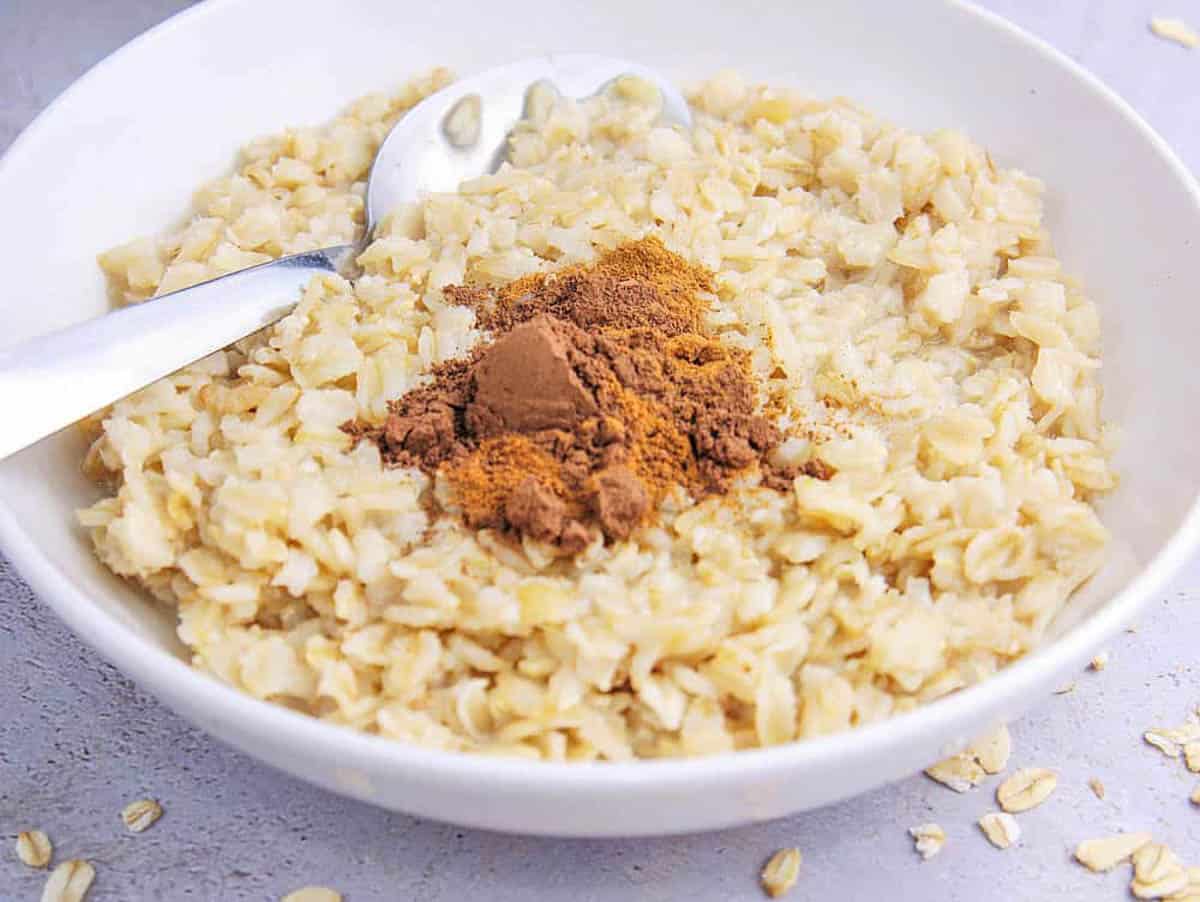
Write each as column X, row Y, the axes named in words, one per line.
column 599, row 393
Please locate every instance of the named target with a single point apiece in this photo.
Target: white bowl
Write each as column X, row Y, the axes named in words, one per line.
column 120, row 152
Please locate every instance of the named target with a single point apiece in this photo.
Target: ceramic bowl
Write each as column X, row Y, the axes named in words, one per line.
column 119, row 153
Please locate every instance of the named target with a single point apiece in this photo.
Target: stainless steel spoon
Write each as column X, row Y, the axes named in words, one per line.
column 460, row 132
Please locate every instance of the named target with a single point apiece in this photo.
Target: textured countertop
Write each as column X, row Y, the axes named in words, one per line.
column 78, row 740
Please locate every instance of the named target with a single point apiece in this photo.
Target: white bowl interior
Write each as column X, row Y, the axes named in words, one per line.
column 120, row 154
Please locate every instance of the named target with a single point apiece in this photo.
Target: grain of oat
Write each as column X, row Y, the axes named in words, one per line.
column 1099, row 662
column 69, row 882
column 1191, row 756
column 1170, row 740
column 1191, row 892
column 34, row 848
column 1195, row 796
column 958, row 772
column 781, row 872
column 140, row 815
column 1163, row 742
column 928, row 839
column 313, row 894
column 1157, row 872
column 1096, row 787
column 1064, row 689
column 1000, row 828
column 1107, row 852
column 993, row 750
column 1026, row 789
column 1174, row 30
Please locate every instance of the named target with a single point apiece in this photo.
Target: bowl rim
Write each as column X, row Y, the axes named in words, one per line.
column 162, row 673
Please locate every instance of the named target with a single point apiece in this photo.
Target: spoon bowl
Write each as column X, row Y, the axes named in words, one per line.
column 426, row 151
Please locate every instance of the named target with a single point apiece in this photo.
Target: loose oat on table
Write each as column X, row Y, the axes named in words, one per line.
column 1097, row 787
column 69, row 882
column 1000, row 828
column 1175, row 30
column 928, row 839
column 1171, row 740
column 34, row 848
column 313, row 894
column 1107, row 852
column 1026, row 788
column 1157, row 872
column 958, row 772
column 896, row 297
column 1191, row 892
column 1161, row 741
column 1191, row 755
column 993, row 750
column 1065, row 688
column 781, row 872
column 140, row 815
column 1099, row 662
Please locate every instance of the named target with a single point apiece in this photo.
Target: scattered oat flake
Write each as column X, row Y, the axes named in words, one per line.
column 33, row 848
column 1097, row 787
column 780, row 873
column 1028, row 787
column 929, row 839
column 1157, row 872
column 1195, row 796
column 1099, row 662
column 1001, row 829
column 69, row 882
column 959, row 772
column 141, row 815
column 1106, row 853
column 1191, row 756
column 993, row 750
column 1187, row 732
column 1063, row 690
column 1192, row 892
column 1170, row 740
column 1162, row 742
column 313, row 894
column 1174, row 30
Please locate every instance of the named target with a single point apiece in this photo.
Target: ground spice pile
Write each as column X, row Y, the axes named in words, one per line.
column 599, row 392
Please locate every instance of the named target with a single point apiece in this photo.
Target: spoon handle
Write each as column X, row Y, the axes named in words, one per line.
column 49, row 382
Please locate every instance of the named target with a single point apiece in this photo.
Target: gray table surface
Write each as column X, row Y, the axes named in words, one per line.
column 78, row 740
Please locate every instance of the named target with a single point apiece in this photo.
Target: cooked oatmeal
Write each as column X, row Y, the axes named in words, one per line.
column 898, row 303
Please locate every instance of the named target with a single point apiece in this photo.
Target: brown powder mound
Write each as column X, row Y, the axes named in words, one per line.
column 525, row 382
column 423, row 427
column 637, row 285
column 490, row 472
column 598, row 395
column 588, row 301
column 533, row 509
column 619, row 500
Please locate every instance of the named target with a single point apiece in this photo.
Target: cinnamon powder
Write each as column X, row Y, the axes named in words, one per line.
column 599, row 393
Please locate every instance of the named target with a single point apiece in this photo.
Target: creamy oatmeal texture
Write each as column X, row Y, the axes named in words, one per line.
column 902, row 309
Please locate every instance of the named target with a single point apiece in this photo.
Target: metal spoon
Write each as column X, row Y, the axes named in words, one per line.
column 51, row 381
